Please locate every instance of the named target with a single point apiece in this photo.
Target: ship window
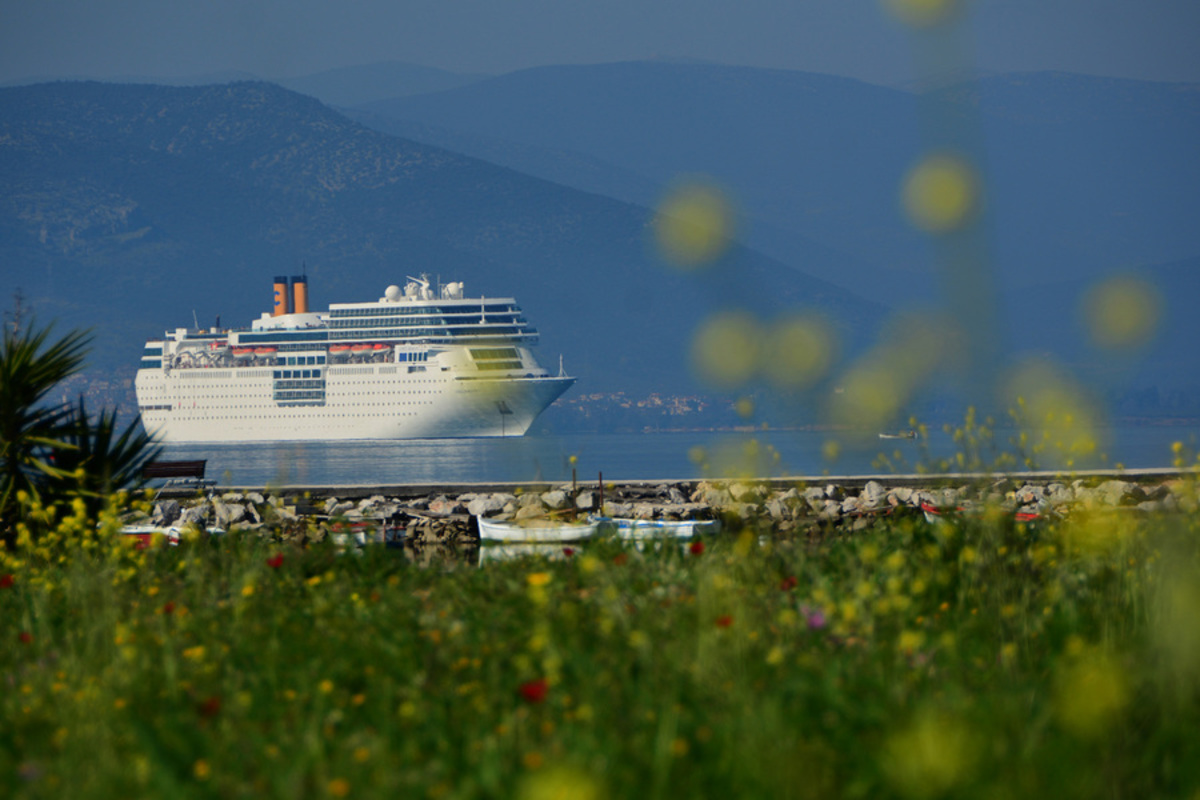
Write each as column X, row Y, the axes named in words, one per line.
column 493, row 353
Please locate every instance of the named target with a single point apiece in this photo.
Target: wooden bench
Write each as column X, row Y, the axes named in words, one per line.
column 178, row 473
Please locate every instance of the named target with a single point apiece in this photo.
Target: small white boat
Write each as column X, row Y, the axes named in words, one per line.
column 657, row 528
column 535, row 530
column 146, row 535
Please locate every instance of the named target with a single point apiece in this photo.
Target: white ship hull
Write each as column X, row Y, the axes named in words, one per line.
column 416, row 364
column 235, row 406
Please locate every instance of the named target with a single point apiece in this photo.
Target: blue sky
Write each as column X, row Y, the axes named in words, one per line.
column 1150, row 39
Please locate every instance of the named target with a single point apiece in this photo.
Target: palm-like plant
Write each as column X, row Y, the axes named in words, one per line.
column 98, row 461
column 31, row 428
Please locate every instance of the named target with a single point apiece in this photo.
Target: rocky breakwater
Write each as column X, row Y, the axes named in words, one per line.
column 829, row 507
column 447, row 519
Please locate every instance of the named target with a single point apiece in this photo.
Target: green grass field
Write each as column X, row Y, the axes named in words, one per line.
column 974, row 659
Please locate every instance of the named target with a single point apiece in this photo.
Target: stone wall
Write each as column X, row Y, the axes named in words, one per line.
column 446, row 517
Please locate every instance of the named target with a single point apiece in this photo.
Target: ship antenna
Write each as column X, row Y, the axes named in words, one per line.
column 195, row 319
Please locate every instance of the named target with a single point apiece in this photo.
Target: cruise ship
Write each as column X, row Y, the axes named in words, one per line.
column 422, row 362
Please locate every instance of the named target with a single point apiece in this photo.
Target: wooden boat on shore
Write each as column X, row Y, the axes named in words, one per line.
column 535, row 530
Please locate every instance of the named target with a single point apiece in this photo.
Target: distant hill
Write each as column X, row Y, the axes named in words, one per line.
column 130, row 208
column 197, row 79
column 352, row 86
column 1082, row 175
column 346, row 86
column 1050, row 319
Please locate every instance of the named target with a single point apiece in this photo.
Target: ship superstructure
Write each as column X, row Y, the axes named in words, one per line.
column 420, row 362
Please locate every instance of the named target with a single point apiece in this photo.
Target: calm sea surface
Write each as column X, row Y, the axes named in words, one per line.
column 634, row 456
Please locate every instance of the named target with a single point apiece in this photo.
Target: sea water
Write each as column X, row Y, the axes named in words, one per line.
column 650, row 456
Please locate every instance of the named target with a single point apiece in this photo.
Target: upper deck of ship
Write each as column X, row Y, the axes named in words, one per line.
column 417, row 314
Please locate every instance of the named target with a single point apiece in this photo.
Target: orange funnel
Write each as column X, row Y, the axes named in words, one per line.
column 283, row 298
column 300, row 293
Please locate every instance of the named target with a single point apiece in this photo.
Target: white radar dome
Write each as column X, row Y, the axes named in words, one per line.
column 392, row 293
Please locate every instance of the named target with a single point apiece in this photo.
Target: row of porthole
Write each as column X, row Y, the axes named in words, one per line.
column 323, row 416
column 264, row 406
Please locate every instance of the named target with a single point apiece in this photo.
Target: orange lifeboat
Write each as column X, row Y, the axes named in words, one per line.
column 264, row 351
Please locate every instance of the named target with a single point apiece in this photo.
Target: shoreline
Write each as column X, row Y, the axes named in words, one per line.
column 812, row 507
column 1136, row 475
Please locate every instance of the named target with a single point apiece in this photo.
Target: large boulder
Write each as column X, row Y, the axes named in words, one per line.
column 530, row 512
column 618, row 509
column 872, row 495
column 227, row 514
column 556, row 499
column 712, row 496
column 747, row 492
column 166, row 512
column 444, row 506
column 1119, row 493
column 483, row 505
column 193, row 515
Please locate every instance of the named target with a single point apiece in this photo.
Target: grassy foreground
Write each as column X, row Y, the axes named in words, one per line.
column 978, row 658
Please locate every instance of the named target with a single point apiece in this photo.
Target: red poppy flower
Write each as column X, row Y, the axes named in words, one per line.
column 275, row 561
column 210, row 707
column 724, row 621
column 6, row 581
column 168, row 608
column 568, row 551
column 25, row 636
column 534, row 692
column 788, row 583
column 696, row 548
column 620, row 559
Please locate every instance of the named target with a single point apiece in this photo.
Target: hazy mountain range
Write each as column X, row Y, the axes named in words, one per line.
column 129, row 207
